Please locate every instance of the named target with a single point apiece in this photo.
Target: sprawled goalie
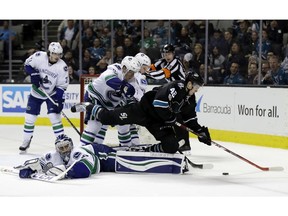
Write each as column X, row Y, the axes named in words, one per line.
column 94, row 158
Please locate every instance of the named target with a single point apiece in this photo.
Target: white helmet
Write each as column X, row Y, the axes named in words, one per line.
column 143, row 59
column 55, row 47
column 131, row 64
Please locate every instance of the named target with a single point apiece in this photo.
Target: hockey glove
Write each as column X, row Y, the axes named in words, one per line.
column 204, row 135
column 127, row 89
column 58, row 98
column 26, row 173
column 35, row 79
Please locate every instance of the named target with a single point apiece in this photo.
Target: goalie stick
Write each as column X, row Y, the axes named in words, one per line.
column 277, row 168
column 65, row 116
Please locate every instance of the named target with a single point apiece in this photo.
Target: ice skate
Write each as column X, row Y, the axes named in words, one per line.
column 25, row 146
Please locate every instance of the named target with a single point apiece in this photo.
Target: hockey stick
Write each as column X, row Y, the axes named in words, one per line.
column 56, row 104
column 198, row 166
column 231, row 152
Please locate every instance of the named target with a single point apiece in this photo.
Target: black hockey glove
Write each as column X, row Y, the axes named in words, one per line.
column 204, row 135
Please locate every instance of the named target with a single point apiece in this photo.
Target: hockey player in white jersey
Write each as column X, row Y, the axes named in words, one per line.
column 128, row 134
column 108, row 90
column 48, row 73
column 89, row 159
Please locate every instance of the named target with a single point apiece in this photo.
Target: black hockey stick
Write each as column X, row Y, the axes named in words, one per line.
column 231, row 152
column 56, row 104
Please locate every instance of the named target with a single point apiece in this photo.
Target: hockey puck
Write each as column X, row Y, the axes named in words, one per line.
column 225, row 173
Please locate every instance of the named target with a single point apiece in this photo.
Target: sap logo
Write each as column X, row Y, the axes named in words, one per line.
column 15, row 98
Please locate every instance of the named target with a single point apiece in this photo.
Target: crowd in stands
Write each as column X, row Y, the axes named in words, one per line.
column 233, row 52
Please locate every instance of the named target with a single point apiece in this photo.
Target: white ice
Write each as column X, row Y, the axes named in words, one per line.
column 244, row 180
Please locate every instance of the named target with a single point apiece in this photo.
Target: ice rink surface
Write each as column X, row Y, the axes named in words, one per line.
column 198, row 189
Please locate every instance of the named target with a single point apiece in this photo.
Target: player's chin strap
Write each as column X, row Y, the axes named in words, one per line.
column 231, row 152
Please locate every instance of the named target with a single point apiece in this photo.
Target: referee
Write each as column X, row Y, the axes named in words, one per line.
column 170, row 68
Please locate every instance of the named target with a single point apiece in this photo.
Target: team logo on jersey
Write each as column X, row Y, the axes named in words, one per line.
column 65, row 68
column 123, row 116
column 37, row 54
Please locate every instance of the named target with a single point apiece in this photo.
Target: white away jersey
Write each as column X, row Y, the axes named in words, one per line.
column 103, row 93
column 52, row 75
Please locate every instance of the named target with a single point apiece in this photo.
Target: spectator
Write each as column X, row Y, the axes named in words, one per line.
column 73, row 78
column 276, row 75
column 228, row 37
column 119, row 54
column 5, row 34
column 88, row 38
column 119, row 37
column 252, row 72
column 236, row 55
column 235, row 76
column 69, row 33
column 130, row 49
column 264, row 70
column 217, row 65
column 97, row 51
column 148, row 41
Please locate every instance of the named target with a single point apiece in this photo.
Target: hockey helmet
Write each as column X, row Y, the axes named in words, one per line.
column 194, row 78
column 55, row 47
column 168, row 48
column 130, row 63
column 143, row 59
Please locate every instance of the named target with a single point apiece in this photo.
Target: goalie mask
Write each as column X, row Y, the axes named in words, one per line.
column 64, row 145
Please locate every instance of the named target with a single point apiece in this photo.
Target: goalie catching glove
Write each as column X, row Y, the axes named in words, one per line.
column 204, row 135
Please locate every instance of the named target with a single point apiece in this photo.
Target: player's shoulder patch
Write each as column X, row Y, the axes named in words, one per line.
column 65, row 68
column 38, row 53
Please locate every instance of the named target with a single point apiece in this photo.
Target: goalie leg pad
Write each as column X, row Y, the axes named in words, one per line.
column 148, row 162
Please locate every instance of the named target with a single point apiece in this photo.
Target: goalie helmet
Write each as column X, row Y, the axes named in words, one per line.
column 64, row 145
column 55, row 47
column 143, row 59
column 194, row 78
column 130, row 63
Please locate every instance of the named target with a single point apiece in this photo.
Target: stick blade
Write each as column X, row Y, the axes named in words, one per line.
column 276, row 168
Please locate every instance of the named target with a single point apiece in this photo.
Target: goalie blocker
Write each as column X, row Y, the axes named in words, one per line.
column 149, row 162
